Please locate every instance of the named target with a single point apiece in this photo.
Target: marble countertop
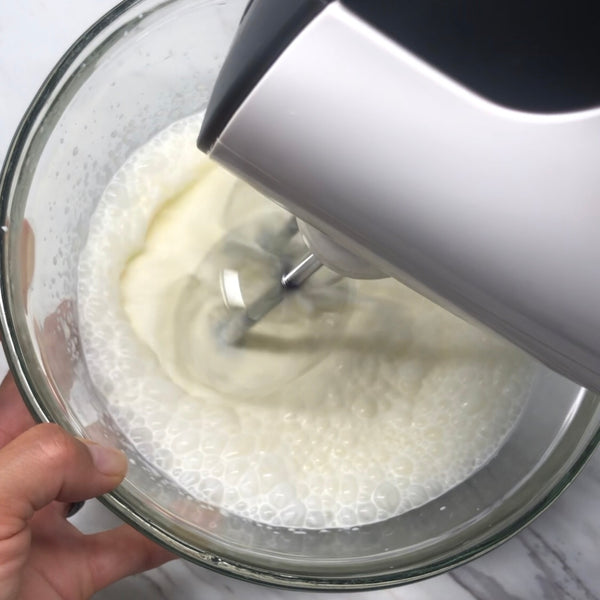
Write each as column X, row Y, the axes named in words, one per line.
column 555, row 558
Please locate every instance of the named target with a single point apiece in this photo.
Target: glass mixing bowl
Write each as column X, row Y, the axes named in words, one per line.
column 144, row 65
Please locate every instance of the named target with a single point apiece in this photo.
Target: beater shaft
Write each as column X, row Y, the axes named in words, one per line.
column 233, row 331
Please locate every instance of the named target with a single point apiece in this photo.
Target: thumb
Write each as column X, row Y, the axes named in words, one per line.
column 45, row 464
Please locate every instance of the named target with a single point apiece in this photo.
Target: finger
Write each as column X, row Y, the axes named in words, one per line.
column 45, row 464
column 121, row 552
column 14, row 416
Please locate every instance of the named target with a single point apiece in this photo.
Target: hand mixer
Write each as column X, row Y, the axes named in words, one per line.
column 453, row 146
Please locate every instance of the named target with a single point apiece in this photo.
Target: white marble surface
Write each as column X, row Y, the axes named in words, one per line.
column 556, row 558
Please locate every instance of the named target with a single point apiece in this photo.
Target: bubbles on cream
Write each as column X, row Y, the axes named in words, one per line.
column 354, row 401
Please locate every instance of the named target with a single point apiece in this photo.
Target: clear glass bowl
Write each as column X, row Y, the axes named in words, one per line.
column 144, row 65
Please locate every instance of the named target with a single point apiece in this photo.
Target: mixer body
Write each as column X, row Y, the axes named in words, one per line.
column 477, row 193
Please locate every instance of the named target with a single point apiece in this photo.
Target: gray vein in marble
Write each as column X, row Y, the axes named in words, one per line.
column 543, row 554
column 480, row 585
column 592, row 474
column 166, row 575
column 152, row 583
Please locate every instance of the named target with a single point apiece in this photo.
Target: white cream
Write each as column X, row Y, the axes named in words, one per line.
column 351, row 403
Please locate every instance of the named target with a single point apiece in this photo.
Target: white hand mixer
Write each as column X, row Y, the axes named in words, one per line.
column 457, row 151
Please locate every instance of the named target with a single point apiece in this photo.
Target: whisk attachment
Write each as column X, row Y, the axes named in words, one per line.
column 234, row 329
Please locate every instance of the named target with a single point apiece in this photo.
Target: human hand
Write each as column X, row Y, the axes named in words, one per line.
column 43, row 470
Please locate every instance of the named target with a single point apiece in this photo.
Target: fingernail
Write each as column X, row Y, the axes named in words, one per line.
column 107, row 460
